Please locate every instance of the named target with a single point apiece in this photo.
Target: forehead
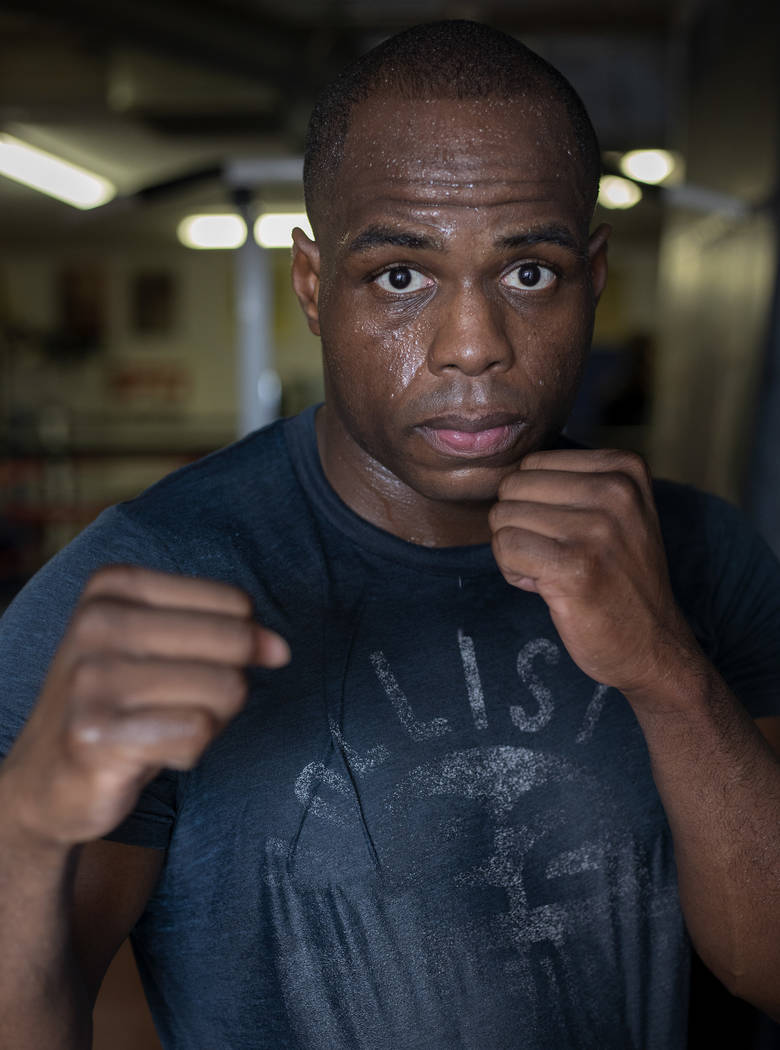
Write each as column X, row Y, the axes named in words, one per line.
column 453, row 154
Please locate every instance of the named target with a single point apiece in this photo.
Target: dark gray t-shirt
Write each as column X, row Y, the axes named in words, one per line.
column 431, row 830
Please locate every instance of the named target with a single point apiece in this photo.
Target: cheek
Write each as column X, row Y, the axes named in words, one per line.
column 552, row 350
column 405, row 356
column 361, row 355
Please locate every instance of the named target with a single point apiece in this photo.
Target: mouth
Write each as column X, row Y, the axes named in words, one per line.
column 472, row 437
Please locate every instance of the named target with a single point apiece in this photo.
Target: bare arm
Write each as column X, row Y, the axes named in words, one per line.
column 149, row 671
column 719, row 781
column 63, row 914
column 43, row 1000
column 580, row 529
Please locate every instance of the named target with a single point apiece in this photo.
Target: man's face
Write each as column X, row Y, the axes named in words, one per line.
column 453, row 285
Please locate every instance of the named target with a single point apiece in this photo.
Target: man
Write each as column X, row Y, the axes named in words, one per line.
column 486, row 771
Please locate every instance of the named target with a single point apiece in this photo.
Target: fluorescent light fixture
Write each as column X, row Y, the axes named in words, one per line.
column 212, row 231
column 648, row 165
column 51, row 175
column 274, row 229
column 228, row 230
column 615, row 192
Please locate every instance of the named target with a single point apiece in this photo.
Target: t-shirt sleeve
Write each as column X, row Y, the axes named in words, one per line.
column 32, row 628
column 745, row 610
column 727, row 581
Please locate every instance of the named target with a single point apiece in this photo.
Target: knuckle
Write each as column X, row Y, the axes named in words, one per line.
column 495, row 516
column 533, row 460
column 620, row 458
column 97, row 620
column 89, row 624
column 247, row 640
column 244, row 602
column 624, row 461
column 198, row 729
column 503, row 540
column 88, row 675
column 506, row 486
column 235, row 688
column 102, row 676
column 110, row 578
column 86, row 730
column 600, row 529
column 634, row 463
column 582, row 562
column 619, row 490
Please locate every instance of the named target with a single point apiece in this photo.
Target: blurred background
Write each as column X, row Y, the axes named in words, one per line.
column 125, row 351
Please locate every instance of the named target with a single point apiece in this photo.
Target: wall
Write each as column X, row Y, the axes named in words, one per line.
column 82, row 429
column 106, row 389
column 717, row 274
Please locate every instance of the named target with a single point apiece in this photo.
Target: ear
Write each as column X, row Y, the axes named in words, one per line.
column 597, row 259
column 306, row 276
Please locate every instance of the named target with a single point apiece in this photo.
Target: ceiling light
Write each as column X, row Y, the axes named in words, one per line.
column 615, row 192
column 274, row 229
column 648, row 165
column 212, row 231
column 48, row 174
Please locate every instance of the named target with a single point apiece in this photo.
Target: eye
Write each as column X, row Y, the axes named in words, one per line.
column 530, row 277
column 403, row 279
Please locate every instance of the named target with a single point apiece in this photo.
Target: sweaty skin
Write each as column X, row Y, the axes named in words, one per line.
column 474, row 341
column 453, row 282
column 148, row 673
column 454, row 289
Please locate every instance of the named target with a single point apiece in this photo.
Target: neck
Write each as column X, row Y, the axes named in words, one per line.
column 379, row 497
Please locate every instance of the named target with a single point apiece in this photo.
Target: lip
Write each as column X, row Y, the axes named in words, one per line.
column 472, row 437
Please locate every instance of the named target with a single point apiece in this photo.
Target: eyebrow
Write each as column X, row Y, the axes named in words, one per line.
column 378, row 236
column 381, row 236
column 558, row 235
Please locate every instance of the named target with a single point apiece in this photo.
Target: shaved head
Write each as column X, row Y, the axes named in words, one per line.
column 444, row 60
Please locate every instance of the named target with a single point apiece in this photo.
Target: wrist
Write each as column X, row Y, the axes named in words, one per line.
column 21, row 837
column 682, row 679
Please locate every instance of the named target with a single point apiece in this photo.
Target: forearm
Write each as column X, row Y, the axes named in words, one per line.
column 109, row 716
column 719, row 782
column 43, row 1000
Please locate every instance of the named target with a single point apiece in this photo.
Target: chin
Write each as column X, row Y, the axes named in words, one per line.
column 474, row 485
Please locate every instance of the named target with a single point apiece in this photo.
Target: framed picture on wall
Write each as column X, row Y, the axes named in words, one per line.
column 82, row 307
column 152, row 302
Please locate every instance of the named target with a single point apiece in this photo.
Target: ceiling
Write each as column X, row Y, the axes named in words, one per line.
column 158, row 95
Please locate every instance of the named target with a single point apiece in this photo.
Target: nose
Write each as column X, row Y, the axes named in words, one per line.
column 470, row 335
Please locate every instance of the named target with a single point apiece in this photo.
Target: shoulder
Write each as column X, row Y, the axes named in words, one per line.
column 33, row 624
column 687, row 516
column 727, row 581
column 716, row 557
column 705, row 533
column 223, row 517
column 240, row 514
column 682, row 506
column 224, row 484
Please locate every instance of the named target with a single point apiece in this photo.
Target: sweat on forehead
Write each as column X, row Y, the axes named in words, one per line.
column 390, row 132
column 444, row 60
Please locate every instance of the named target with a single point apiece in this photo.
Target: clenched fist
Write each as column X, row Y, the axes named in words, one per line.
column 580, row 528
column 150, row 669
